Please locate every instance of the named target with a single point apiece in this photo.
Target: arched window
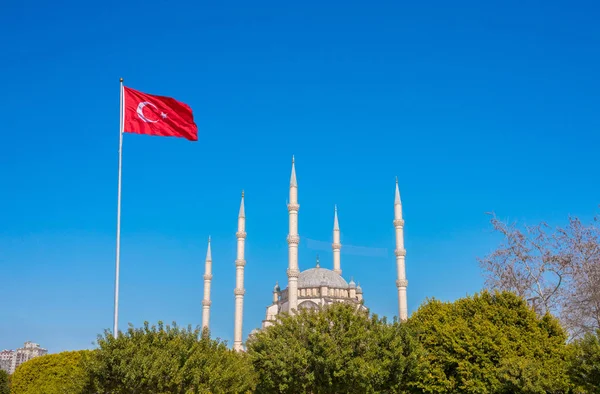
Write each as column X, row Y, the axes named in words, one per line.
column 308, row 305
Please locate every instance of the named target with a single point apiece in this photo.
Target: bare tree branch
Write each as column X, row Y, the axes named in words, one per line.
column 555, row 270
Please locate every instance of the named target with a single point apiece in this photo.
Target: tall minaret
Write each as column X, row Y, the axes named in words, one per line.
column 336, row 245
column 293, row 240
column 400, row 252
column 207, row 279
column 239, row 278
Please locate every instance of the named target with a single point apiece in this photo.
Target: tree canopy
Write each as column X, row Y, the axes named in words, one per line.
column 168, row 359
column 4, row 389
column 338, row 349
column 489, row 343
column 585, row 363
column 51, row 374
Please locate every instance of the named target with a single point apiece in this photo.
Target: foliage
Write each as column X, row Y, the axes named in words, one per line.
column 337, row 349
column 585, row 363
column 4, row 382
column 168, row 359
column 489, row 343
column 557, row 271
column 53, row 373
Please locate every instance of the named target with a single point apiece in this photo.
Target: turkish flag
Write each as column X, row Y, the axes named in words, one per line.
column 158, row 115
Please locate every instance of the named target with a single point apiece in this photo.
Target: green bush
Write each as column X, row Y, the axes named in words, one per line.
column 585, row 363
column 51, row 374
column 167, row 359
column 4, row 389
column 334, row 350
column 489, row 343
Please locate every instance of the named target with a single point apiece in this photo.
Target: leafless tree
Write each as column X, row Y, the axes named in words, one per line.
column 555, row 270
column 580, row 306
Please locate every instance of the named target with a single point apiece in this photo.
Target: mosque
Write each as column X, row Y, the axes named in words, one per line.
column 312, row 288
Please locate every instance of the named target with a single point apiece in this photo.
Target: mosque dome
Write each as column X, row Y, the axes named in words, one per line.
column 317, row 277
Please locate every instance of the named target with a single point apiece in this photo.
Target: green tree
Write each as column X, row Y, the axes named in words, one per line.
column 489, row 343
column 168, row 359
column 333, row 350
column 4, row 389
column 585, row 363
column 53, row 373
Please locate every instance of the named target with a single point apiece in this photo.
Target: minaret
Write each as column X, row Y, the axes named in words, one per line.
column 400, row 252
column 336, row 245
column 239, row 278
column 293, row 240
column 207, row 279
column 276, row 291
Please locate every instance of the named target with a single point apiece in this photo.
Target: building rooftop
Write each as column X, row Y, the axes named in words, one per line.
column 317, row 277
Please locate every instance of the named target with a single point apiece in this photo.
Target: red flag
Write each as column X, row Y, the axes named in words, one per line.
column 158, row 115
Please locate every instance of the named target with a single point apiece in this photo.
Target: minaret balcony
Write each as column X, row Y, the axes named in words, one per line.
column 400, row 252
column 399, row 223
column 293, row 273
column 402, row 283
column 240, row 262
column 239, row 292
column 293, row 207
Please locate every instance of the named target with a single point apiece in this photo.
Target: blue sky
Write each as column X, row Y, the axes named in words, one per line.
column 475, row 106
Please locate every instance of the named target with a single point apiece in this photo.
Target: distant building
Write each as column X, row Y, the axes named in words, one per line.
column 11, row 359
column 6, row 357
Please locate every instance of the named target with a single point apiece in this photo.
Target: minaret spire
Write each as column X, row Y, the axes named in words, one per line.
column 336, row 245
column 242, row 213
column 293, row 240
column 206, row 302
column 400, row 253
column 239, row 278
column 293, row 181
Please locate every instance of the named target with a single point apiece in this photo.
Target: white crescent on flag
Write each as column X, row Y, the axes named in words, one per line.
column 140, row 111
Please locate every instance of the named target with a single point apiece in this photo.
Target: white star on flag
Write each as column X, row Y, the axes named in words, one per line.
column 163, row 115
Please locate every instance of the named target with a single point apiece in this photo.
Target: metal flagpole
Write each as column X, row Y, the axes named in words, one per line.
column 121, row 127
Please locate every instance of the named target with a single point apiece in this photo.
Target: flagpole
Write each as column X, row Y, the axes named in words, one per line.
column 118, row 258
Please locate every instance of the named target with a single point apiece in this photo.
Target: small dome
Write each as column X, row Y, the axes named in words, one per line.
column 276, row 289
column 358, row 289
column 317, row 277
column 352, row 285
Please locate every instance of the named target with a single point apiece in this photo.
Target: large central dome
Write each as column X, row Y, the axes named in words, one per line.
column 316, row 277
